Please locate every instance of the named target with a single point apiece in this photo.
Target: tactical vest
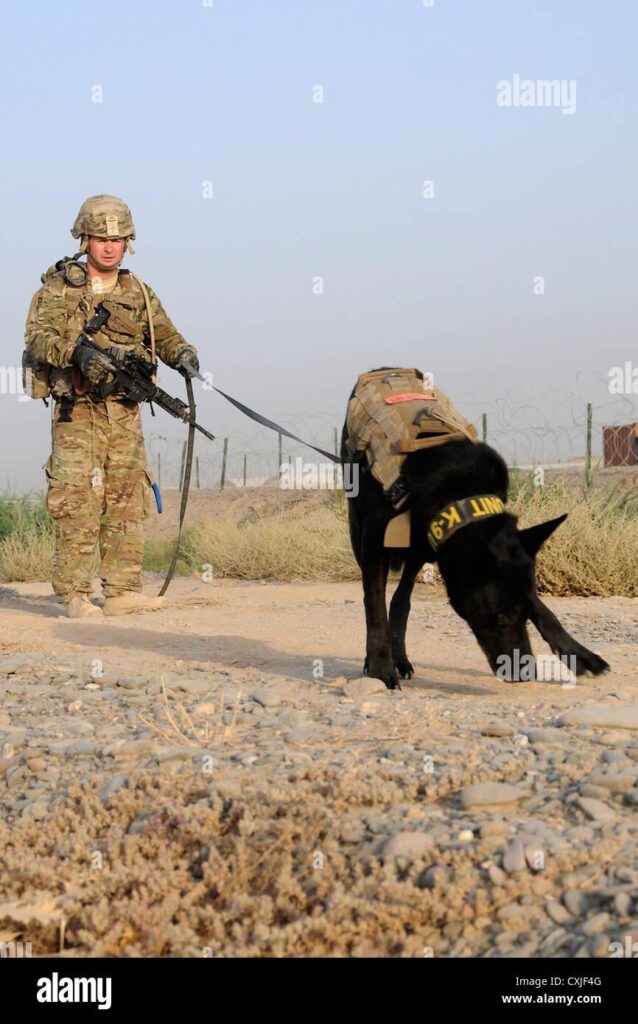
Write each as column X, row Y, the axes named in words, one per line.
column 392, row 413
column 70, row 308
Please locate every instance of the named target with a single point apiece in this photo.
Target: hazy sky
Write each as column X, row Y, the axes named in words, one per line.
column 225, row 93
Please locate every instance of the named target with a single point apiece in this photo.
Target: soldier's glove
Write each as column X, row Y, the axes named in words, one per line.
column 95, row 367
column 187, row 354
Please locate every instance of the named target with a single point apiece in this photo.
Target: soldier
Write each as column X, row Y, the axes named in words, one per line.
column 98, row 475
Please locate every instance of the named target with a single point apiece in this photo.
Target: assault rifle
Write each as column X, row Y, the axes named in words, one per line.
column 131, row 374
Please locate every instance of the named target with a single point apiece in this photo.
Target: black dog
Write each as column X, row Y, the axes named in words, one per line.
column 487, row 566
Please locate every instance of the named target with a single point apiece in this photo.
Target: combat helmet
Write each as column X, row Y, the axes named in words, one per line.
column 104, row 217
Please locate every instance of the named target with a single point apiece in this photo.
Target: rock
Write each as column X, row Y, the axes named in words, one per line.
column 514, row 857
column 497, row 728
column 364, row 686
column 133, row 748
column 615, row 757
column 558, row 913
column 207, row 708
column 616, row 782
column 547, row 734
column 408, row 845
column 81, row 748
column 535, row 857
column 596, row 810
column 194, row 687
column 111, row 787
column 267, row 698
column 484, row 794
column 495, row 828
column 496, row 875
column 130, row 683
column 139, row 824
column 617, row 716
column 596, row 924
column 588, row 789
column 576, row 902
column 623, row 904
column 599, row 946
column 436, row 875
column 465, row 835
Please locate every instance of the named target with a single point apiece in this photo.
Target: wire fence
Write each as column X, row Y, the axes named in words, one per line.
column 563, row 430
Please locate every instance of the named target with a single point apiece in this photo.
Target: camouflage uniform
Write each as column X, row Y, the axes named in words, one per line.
column 98, row 475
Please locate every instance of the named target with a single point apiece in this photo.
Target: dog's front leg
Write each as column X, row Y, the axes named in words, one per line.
column 399, row 612
column 375, row 563
column 562, row 643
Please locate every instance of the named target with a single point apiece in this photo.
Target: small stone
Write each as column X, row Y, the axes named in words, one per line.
column 616, row 782
column 615, row 757
column 191, row 686
column 495, row 828
column 576, row 902
column 130, row 683
column 622, row 904
column 514, row 857
column 465, row 836
column 364, row 686
column 558, row 913
column 208, row 708
column 436, row 875
column 599, row 946
column 596, row 810
column 596, row 924
column 535, row 857
column 497, row 728
column 520, row 739
column 408, row 845
column 267, row 698
column 483, row 794
column 547, row 734
column 81, row 748
column 616, row 716
column 111, row 787
column 496, row 875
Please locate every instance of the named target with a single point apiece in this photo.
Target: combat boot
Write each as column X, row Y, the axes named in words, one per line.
column 130, row 601
column 78, row 606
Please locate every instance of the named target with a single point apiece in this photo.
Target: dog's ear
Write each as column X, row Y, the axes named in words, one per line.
column 535, row 536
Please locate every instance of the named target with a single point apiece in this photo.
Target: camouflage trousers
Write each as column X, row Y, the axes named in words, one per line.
column 99, row 493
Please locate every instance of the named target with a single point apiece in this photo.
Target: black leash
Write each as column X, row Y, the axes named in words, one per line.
column 274, row 426
column 258, row 418
column 186, row 483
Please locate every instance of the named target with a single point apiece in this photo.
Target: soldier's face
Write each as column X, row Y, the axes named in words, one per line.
column 106, row 253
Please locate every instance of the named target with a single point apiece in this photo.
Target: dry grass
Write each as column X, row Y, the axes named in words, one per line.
column 26, row 540
column 593, row 553
column 264, row 872
column 316, row 547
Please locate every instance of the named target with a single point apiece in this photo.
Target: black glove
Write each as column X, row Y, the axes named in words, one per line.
column 189, row 355
column 95, row 367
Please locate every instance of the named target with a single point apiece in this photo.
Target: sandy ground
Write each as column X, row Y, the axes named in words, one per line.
column 212, row 780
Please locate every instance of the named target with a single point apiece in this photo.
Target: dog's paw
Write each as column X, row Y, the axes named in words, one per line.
column 590, row 664
column 379, row 670
column 404, row 667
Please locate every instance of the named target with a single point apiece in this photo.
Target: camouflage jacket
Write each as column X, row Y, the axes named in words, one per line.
column 58, row 314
